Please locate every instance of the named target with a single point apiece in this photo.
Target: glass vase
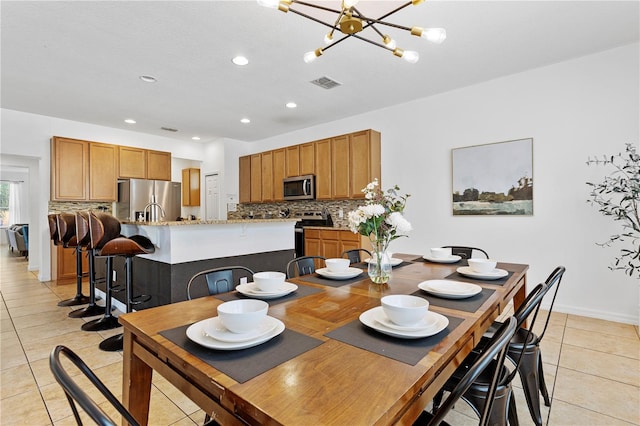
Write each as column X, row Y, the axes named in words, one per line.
column 380, row 263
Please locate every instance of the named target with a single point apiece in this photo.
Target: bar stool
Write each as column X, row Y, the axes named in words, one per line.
column 84, row 240
column 127, row 248
column 66, row 232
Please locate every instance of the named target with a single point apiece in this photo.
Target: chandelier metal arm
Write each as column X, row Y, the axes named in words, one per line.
column 316, row 6
column 369, row 22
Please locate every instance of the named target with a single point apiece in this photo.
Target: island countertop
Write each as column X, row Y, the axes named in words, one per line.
column 210, row 222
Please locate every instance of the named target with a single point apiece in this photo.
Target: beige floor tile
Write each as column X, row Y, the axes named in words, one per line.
column 614, row 367
column 6, row 325
column 563, row 414
column 161, row 410
column 553, row 332
column 46, row 331
column 550, row 351
column 75, row 340
column 602, row 326
column 17, row 380
column 24, row 311
column 603, row 342
column 197, row 417
column 186, row 421
column 175, row 395
column 604, row 396
column 45, row 299
column 43, row 319
column 12, row 355
column 24, row 409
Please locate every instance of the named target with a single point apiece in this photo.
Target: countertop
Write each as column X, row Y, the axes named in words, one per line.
column 210, row 222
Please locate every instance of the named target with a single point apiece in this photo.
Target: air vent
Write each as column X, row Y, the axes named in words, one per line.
column 169, row 129
column 326, row 83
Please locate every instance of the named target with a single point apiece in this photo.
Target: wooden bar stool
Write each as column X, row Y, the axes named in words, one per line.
column 84, row 240
column 66, row 232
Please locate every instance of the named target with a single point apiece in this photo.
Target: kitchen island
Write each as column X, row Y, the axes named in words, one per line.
column 183, row 248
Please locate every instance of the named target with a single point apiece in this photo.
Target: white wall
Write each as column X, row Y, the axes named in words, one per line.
column 25, row 141
column 572, row 110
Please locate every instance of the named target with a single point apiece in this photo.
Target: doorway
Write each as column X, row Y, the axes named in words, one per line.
column 212, row 196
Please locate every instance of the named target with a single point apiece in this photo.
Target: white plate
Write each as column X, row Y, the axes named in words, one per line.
column 491, row 275
column 196, row 333
column 394, row 261
column 216, row 330
column 369, row 318
column 349, row 273
column 449, row 259
column 450, row 289
column 427, row 322
column 250, row 290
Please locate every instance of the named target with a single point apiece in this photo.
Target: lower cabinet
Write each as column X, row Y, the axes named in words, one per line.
column 330, row 242
column 63, row 263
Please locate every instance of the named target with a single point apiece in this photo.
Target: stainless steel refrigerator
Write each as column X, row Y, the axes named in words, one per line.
column 161, row 199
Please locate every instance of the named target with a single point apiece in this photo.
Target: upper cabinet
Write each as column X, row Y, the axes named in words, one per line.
column 82, row 170
column 133, row 162
column 343, row 165
column 191, row 187
column 158, row 165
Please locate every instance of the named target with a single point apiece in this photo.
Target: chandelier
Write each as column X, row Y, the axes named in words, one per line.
column 350, row 22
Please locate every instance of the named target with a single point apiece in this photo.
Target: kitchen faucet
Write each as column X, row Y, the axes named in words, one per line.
column 153, row 214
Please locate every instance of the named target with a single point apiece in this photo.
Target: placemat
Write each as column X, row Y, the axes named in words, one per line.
column 470, row 304
column 302, row 291
column 409, row 351
column 365, row 265
column 459, row 277
column 245, row 364
column 318, row 279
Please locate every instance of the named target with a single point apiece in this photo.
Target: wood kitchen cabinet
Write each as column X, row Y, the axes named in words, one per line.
column 191, row 187
column 323, row 169
column 132, row 162
column 330, row 242
column 266, row 159
column 364, row 160
column 245, row 179
column 256, row 178
column 279, row 173
column 69, row 169
column 103, row 172
column 159, row 165
column 293, row 160
column 307, row 159
column 63, row 263
column 340, row 167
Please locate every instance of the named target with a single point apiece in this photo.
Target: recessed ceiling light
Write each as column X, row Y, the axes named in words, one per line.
column 291, row 105
column 130, row 121
column 245, row 121
column 240, row 60
column 148, row 78
column 196, row 138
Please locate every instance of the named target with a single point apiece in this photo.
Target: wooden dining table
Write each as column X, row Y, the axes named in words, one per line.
column 335, row 371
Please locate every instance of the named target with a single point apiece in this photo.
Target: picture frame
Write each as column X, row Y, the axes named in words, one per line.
column 493, row 179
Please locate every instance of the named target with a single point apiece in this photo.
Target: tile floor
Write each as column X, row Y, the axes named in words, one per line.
column 592, row 367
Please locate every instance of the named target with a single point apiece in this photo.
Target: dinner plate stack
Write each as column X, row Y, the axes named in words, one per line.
column 433, row 323
column 251, row 290
column 450, row 289
column 211, row 334
column 342, row 275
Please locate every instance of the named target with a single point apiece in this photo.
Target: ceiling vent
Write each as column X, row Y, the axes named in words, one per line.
column 169, row 129
column 326, row 83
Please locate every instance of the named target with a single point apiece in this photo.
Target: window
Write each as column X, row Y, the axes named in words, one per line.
column 4, row 203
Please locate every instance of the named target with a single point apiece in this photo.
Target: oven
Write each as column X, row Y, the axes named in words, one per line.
column 308, row 218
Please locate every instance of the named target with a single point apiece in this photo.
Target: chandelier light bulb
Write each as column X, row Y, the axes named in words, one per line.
column 348, row 4
column 389, row 42
column 328, row 39
column 311, row 56
column 271, row 4
column 434, row 35
column 410, row 56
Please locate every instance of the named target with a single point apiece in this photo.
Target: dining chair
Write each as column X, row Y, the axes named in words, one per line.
column 504, row 405
column 218, row 280
column 491, row 364
column 466, row 252
column 303, row 265
column 354, row 254
column 77, row 394
column 526, row 344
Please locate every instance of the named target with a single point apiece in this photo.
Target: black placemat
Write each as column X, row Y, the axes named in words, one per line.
column 302, row 291
column 470, row 304
column 365, row 265
column 318, row 279
column 459, row 277
column 409, row 351
column 245, row 364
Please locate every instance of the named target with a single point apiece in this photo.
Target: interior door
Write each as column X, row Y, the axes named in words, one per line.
column 212, row 196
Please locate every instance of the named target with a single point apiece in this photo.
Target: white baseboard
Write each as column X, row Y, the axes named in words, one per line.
column 114, row 302
column 592, row 313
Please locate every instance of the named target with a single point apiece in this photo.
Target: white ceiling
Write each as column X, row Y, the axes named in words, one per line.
column 80, row 60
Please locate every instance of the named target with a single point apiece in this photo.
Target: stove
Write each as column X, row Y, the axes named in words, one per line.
column 308, row 218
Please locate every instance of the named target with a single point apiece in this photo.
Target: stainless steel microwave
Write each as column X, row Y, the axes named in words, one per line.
column 300, row 188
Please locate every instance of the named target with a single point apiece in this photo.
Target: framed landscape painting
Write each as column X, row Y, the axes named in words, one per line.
column 493, row 179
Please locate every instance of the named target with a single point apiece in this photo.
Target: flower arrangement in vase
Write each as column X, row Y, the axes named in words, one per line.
column 381, row 220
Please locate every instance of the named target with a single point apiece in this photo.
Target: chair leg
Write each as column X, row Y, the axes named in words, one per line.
column 108, row 321
column 79, row 298
column 437, row 400
column 476, row 396
column 92, row 309
column 513, row 412
column 528, row 370
column 542, row 383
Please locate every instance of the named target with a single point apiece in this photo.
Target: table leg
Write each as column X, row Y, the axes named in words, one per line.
column 136, row 382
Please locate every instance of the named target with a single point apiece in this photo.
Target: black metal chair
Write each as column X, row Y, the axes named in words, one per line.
column 303, row 265
column 354, row 254
column 219, row 280
column 526, row 345
column 504, row 407
column 466, row 252
column 76, row 394
column 489, row 363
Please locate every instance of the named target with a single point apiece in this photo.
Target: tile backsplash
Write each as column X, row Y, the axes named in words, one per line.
column 75, row 206
column 268, row 210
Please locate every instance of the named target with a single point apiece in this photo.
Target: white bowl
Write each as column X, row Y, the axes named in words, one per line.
column 482, row 265
column 242, row 316
column 404, row 309
column 268, row 281
column 337, row 264
column 440, row 252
